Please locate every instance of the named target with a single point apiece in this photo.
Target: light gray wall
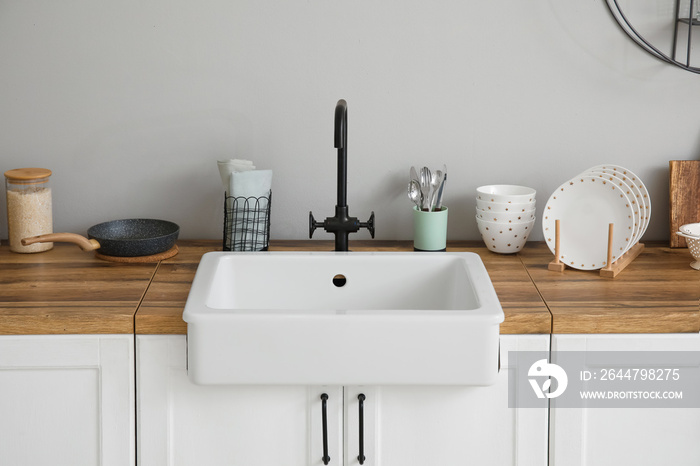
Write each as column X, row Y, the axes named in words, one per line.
column 131, row 103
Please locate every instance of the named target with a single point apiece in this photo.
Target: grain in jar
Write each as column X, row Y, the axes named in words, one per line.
column 29, row 207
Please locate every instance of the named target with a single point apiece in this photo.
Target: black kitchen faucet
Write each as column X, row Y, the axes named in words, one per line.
column 342, row 224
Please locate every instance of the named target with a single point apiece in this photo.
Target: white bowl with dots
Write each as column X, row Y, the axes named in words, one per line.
column 504, row 238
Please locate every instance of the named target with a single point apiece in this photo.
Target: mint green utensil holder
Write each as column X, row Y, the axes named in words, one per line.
column 430, row 230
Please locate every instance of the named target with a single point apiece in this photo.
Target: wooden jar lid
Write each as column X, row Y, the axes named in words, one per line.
column 28, row 174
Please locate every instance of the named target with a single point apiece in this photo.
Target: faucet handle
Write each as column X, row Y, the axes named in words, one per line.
column 313, row 224
column 369, row 224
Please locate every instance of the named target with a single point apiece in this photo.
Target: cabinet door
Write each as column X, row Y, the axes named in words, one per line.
column 417, row 426
column 67, row 400
column 183, row 424
column 615, row 436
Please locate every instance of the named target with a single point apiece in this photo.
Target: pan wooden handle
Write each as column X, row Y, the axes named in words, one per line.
column 84, row 243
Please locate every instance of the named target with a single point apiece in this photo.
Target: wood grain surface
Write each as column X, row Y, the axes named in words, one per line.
column 684, row 197
column 657, row 293
column 66, row 290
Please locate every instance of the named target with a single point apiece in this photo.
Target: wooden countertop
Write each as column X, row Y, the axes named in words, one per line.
column 657, row 293
column 66, row 290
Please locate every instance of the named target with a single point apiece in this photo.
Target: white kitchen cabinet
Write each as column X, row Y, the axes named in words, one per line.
column 183, row 424
column 615, row 436
column 451, row 425
column 180, row 423
column 67, row 400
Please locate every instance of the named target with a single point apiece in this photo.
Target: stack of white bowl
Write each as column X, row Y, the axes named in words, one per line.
column 505, row 215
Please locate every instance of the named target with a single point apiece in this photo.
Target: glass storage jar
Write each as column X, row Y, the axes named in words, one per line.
column 29, row 207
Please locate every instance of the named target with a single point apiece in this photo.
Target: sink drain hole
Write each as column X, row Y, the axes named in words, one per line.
column 340, row 280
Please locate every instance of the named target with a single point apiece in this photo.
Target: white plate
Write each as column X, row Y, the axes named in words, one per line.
column 641, row 192
column 585, row 205
column 632, row 192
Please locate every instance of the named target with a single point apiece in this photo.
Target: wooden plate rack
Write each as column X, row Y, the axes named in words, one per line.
column 611, row 269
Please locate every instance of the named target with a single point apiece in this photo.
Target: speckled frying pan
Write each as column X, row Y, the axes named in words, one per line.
column 120, row 238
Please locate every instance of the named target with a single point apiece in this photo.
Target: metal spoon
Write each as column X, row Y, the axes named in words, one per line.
column 415, row 194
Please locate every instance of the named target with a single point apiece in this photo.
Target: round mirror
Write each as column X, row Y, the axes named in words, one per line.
column 667, row 29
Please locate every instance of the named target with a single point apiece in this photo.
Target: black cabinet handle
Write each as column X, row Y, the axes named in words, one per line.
column 324, row 419
column 361, row 457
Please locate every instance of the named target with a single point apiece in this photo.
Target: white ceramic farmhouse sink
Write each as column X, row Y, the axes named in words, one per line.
column 398, row 318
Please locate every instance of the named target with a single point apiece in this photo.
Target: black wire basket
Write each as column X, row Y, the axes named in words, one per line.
column 247, row 223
